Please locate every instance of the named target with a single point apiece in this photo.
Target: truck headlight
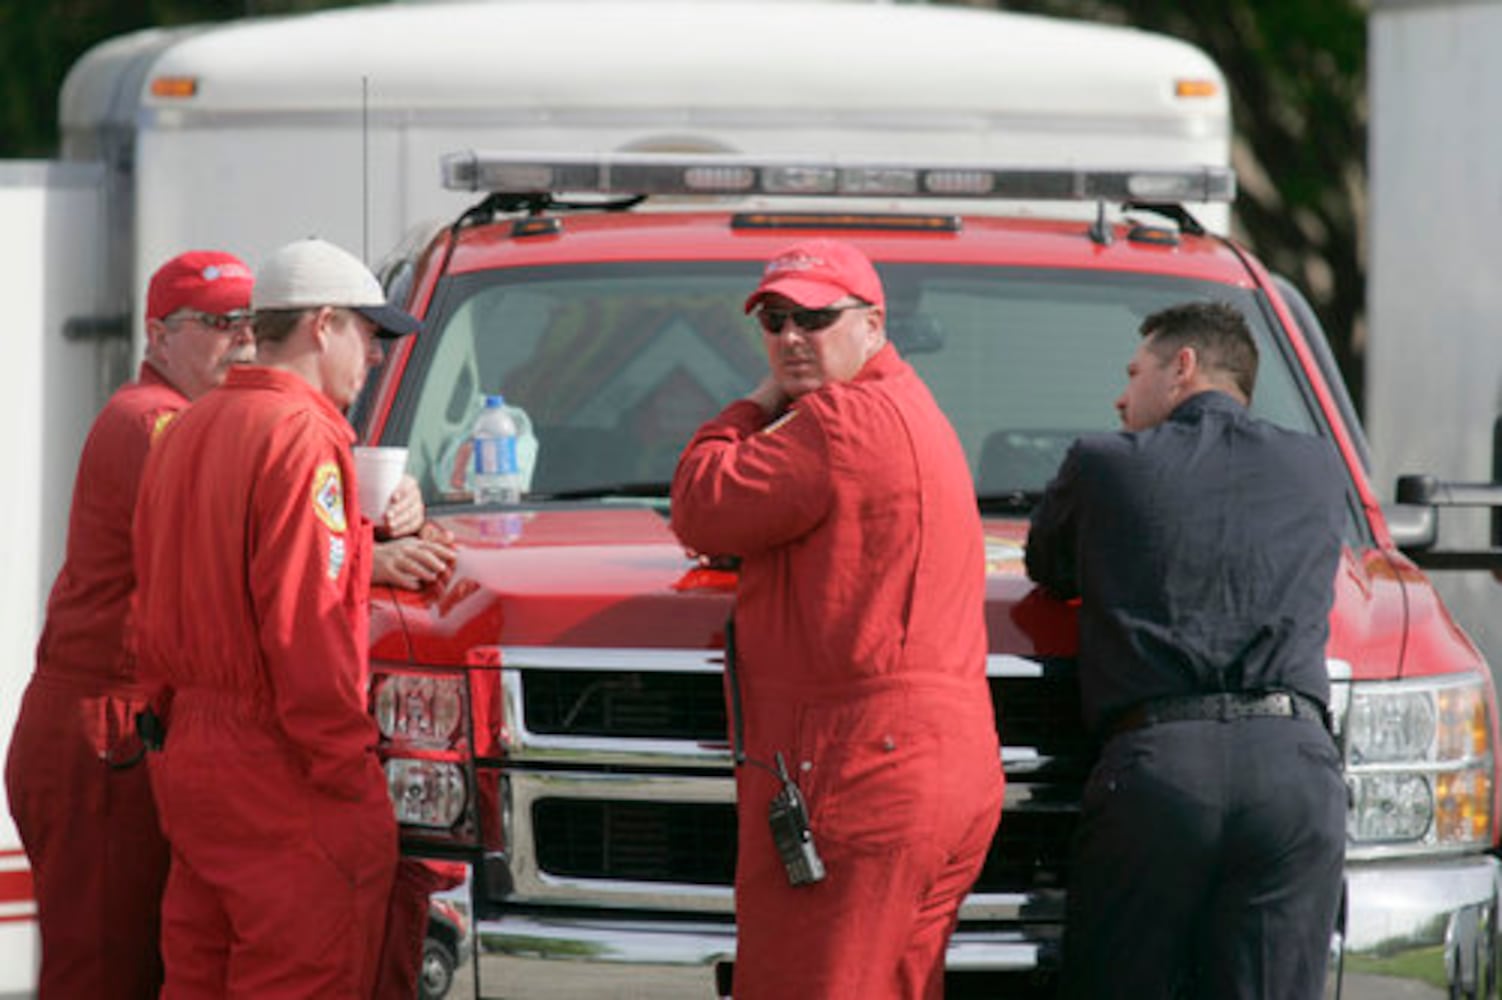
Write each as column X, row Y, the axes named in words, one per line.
column 426, row 744
column 428, row 793
column 1419, row 763
column 419, row 709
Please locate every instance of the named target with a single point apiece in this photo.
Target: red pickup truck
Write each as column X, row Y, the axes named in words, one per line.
column 553, row 714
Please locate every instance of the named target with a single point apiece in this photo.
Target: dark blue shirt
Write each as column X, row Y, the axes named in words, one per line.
column 1204, row 552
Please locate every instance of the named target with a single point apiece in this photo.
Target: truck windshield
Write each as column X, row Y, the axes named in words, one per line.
column 610, row 368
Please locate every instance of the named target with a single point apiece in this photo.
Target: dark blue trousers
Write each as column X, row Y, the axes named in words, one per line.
column 1208, row 863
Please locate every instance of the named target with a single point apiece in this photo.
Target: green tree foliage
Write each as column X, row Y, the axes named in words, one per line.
column 1297, row 75
column 41, row 39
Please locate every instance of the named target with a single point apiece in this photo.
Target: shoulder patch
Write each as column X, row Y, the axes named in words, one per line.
column 160, row 424
column 336, row 556
column 779, row 422
column 328, row 496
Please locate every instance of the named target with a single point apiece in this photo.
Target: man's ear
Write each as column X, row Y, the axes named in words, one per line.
column 875, row 318
column 1186, row 364
column 322, row 323
column 155, row 331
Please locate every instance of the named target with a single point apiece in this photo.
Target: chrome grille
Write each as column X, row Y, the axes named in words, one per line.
column 694, row 843
column 619, row 750
column 636, row 841
column 625, row 704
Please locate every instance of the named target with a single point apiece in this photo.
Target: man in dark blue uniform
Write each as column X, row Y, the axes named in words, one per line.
column 1203, row 545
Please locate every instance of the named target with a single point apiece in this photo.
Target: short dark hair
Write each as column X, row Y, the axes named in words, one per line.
column 1217, row 331
column 272, row 326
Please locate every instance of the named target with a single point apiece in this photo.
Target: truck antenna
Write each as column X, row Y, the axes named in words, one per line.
column 365, row 169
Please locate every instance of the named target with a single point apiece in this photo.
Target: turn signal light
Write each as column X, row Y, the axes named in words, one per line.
column 1419, row 757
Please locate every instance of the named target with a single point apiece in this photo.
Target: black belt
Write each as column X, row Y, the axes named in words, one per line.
column 1223, row 707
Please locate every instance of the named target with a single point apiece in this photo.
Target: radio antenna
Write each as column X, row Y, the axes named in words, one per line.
column 365, row 169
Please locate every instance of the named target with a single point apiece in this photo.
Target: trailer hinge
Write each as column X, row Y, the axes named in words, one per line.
column 96, row 328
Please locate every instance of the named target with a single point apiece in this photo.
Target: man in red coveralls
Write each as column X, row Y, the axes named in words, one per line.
column 252, row 564
column 861, row 641
column 77, row 790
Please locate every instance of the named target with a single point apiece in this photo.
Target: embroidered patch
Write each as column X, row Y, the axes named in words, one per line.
column 213, row 272
column 780, row 421
column 328, row 496
column 336, row 556
column 798, row 260
column 162, row 420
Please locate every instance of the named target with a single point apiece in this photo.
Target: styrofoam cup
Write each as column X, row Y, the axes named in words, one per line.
column 377, row 471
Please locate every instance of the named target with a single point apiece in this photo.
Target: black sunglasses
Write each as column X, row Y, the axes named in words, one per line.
column 807, row 320
column 223, row 323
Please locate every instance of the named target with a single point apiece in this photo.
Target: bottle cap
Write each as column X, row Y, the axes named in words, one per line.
column 491, row 402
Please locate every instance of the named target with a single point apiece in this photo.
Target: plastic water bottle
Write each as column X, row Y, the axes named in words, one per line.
column 496, row 475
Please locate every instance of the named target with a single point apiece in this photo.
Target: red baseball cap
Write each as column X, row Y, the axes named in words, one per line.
column 818, row 273
column 209, row 281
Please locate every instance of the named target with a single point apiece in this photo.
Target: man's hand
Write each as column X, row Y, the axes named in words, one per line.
column 404, row 511
column 770, row 396
column 413, row 562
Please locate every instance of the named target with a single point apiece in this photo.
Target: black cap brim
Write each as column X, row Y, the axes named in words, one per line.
column 390, row 321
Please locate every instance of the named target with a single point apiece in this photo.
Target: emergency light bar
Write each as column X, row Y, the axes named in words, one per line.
column 677, row 174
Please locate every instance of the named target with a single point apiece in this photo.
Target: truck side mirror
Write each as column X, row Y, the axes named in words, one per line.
column 1414, row 521
column 1414, row 527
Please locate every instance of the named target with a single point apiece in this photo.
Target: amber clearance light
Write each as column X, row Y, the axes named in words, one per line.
column 1195, row 88
column 174, row 86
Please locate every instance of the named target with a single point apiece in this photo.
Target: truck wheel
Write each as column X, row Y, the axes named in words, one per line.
column 437, row 973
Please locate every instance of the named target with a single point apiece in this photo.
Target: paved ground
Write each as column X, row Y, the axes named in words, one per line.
column 606, row 987
column 1356, row 988
column 1379, row 988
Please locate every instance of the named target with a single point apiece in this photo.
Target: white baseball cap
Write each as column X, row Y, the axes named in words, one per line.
column 307, row 274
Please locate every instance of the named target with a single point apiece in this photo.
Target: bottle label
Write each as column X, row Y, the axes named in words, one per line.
column 495, row 456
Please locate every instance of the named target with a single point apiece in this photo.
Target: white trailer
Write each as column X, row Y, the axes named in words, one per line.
column 1434, row 360
column 51, row 273
column 246, row 134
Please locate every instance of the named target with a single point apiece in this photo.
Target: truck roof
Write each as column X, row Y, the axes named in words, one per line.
column 978, row 240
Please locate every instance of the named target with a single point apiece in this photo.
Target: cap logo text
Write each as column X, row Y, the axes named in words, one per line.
column 795, row 262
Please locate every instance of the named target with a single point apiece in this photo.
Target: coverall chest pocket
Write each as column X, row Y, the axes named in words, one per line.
column 867, row 771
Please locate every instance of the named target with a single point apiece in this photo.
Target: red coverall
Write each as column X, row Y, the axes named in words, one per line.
column 407, row 923
column 252, row 610
column 76, row 783
column 862, row 643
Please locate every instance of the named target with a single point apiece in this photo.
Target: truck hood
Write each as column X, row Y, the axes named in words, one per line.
column 604, row 576
column 1377, row 597
column 576, row 576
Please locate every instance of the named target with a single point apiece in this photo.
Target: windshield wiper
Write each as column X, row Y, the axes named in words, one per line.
column 646, row 489
column 1009, row 501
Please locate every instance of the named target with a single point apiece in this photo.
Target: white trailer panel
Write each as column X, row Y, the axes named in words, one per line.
column 51, row 268
column 1434, row 361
